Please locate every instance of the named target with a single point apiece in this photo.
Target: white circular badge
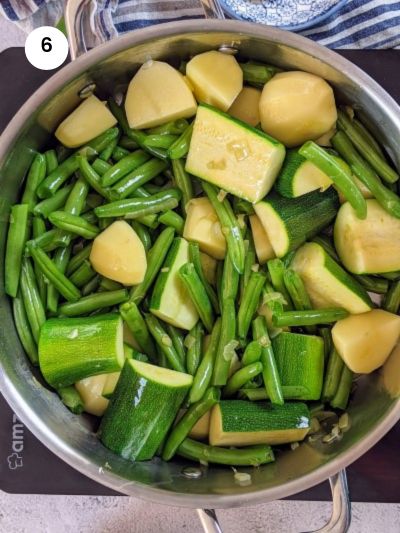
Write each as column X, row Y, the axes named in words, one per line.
column 46, row 48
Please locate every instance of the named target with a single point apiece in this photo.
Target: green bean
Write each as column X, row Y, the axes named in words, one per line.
column 49, row 269
column 174, row 127
column 182, row 181
column 332, row 376
column 241, row 377
column 94, row 179
column 362, row 130
column 101, row 167
column 229, row 282
column 178, row 342
column 384, row 196
column 391, row 276
column 155, row 259
column 124, row 166
column 298, row 294
column 106, row 153
column 342, row 179
column 146, row 172
column 154, row 140
column 193, row 342
column 310, row 317
column 109, row 285
column 172, row 219
column 287, row 259
column 272, row 381
column 60, row 259
column 119, row 153
column 164, row 342
column 376, row 161
column 17, row 235
column 391, row 300
column 226, row 344
column 49, row 186
column 46, row 207
column 38, row 229
column 229, row 225
column 49, row 241
column 142, row 233
column 131, row 208
column 51, row 161
column 36, row 175
column 276, row 270
column 202, row 377
column 70, row 398
column 91, row 286
column 31, row 298
column 92, row 200
column 341, row 398
column 74, row 224
column 151, row 221
column 62, row 153
column 99, row 143
column 194, row 255
column 241, row 206
column 289, row 392
column 249, row 303
column 257, row 75
column 249, row 262
column 325, row 333
column 137, row 324
column 127, row 143
column 78, row 259
column 252, row 353
column 197, row 294
column 189, row 419
column 180, row 147
column 90, row 217
column 82, row 274
column 24, row 330
column 93, row 302
column 248, row 456
column 75, row 204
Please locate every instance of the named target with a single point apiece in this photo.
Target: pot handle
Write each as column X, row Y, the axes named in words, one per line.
column 76, row 13
column 339, row 521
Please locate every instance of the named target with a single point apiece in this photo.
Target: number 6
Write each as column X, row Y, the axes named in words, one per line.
column 46, row 44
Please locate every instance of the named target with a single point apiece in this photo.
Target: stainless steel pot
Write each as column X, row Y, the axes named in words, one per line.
column 373, row 410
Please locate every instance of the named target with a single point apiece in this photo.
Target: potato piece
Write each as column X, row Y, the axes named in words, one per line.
column 246, row 106
column 202, row 226
column 91, row 118
column 216, row 77
column 157, row 94
column 296, row 107
column 209, row 266
column 368, row 246
column 90, row 390
column 118, row 254
column 390, row 377
column 262, row 243
column 365, row 341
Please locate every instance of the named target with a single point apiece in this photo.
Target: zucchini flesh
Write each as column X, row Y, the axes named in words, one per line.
column 71, row 349
column 300, row 362
column 242, row 423
column 142, row 409
column 170, row 300
column 327, row 283
column 290, row 222
column 232, row 155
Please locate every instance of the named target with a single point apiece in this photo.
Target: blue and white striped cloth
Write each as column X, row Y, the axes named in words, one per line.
column 359, row 24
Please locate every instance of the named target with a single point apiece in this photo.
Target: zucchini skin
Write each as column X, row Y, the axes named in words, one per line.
column 139, row 415
column 284, row 184
column 71, row 349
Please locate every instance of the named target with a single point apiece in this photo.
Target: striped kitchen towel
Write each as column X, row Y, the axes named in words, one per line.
column 359, row 24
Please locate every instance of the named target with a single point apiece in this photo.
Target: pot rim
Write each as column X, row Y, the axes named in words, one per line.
column 32, row 419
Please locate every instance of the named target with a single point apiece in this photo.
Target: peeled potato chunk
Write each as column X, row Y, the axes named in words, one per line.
column 118, row 254
column 157, row 94
column 216, row 77
column 202, row 226
column 90, row 390
column 296, row 107
column 262, row 243
column 246, row 106
column 365, row 341
column 86, row 122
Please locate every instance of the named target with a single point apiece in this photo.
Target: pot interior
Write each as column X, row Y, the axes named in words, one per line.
column 372, row 411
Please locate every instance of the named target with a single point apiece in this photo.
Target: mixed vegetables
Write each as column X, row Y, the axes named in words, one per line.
column 195, row 264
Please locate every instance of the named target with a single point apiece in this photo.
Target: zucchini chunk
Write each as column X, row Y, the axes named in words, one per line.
column 365, row 341
column 261, row 240
column 142, row 409
column 233, row 155
column 170, row 300
column 300, row 362
column 290, row 222
column 369, row 246
column 90, row 390
column 242, row 423
column 327, row 283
